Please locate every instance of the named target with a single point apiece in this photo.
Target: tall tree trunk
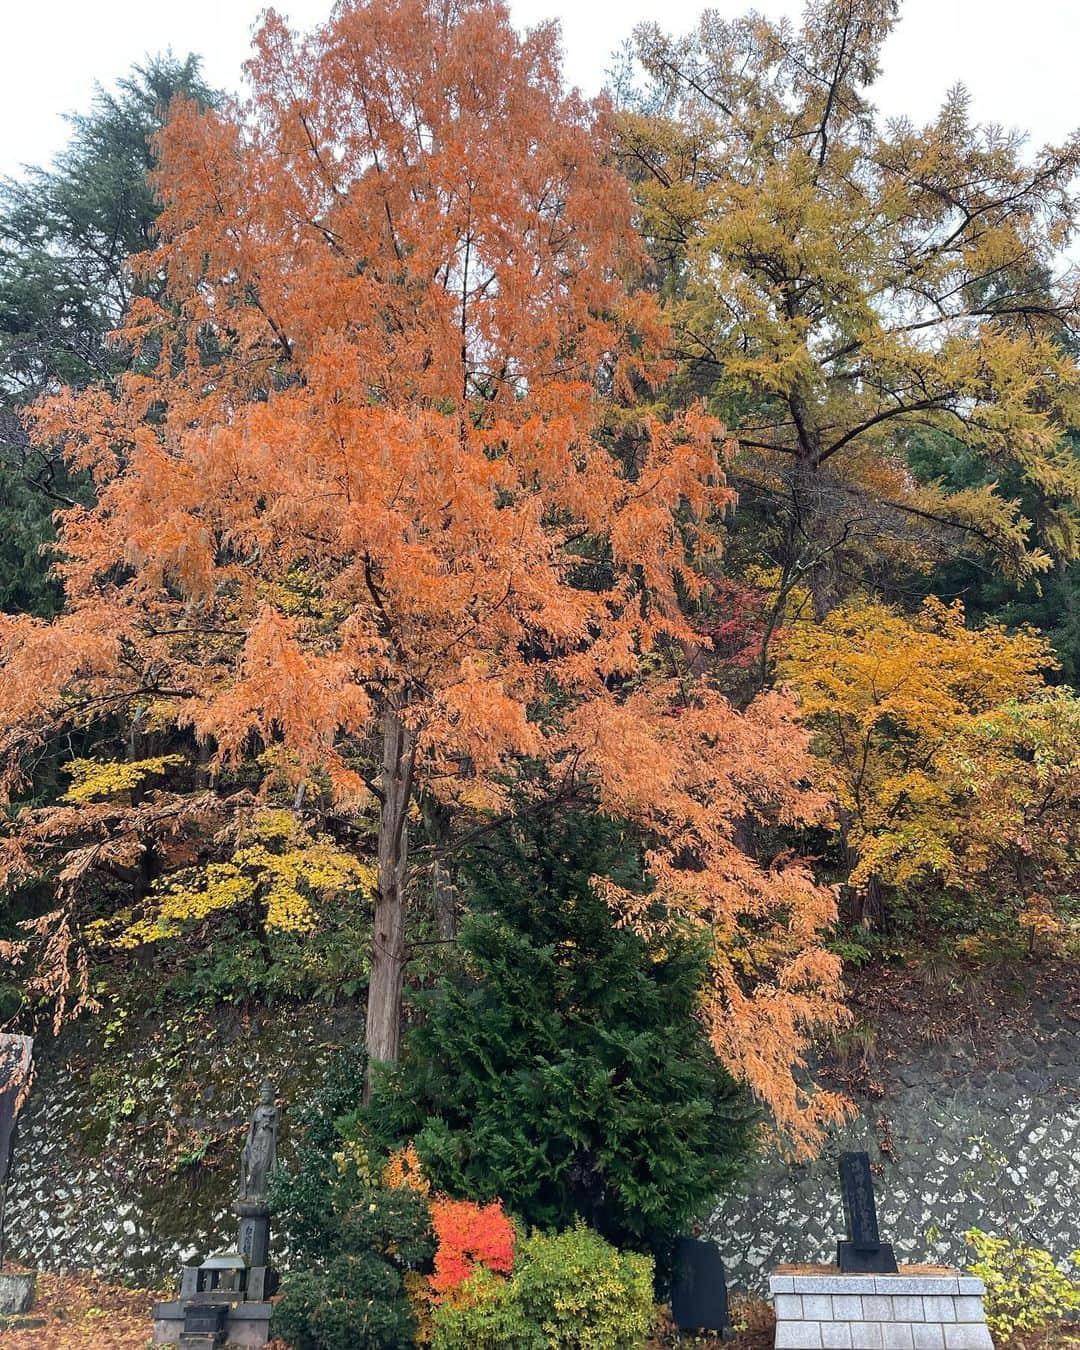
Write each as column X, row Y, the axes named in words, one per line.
column 388, row 942
column 872, row 903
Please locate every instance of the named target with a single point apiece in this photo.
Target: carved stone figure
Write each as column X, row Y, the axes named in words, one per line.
column 259, row 1157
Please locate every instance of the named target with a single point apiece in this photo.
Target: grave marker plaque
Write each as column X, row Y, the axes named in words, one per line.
column 863, row 1253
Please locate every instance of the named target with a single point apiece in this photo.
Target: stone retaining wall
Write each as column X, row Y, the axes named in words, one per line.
column 127, row 1158
column 956, row 1142
column 879, row 1312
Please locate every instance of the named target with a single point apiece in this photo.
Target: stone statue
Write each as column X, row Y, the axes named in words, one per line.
column 259, row 1157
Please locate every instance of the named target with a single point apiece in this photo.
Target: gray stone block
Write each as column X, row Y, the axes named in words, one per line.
column 836, row 1336
column 928, row 1337
column 908, row 1308
column 16, row 1293
column 817, row 1307
column 798, row 1336
column 834, row 1284
column 939, row 1309
column 897, row 1336
column 968, row 1336
column 781, row 1284
column 970, row 1285
column 877, row 1308
column 867, row 1335
column 788, row 1307
column 969, row 1308
column 916, row 1284
column 847, row 1308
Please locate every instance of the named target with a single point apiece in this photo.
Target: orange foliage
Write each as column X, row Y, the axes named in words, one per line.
column 379, row 472
column 404, row 1169
column 469, row 1235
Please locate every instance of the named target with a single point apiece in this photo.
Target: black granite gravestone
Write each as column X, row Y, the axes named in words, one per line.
column 863, row 1253
column 699, row 1299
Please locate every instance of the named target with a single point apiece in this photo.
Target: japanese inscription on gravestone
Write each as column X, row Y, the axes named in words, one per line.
column 863, row 1252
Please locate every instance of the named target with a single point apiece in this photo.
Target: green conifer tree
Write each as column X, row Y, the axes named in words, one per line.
column 561, row 1067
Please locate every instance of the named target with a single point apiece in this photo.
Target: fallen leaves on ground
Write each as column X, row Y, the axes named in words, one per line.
column 83, row 1312
column 752, row 1317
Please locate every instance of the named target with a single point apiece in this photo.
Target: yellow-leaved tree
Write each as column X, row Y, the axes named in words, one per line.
column 839, row 284
column 1018, row 769
column 949, row 758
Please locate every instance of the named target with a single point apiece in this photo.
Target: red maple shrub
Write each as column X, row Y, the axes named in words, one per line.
column 468, row 1236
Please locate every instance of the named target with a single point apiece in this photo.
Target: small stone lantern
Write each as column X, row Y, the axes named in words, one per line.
column 223, row 1273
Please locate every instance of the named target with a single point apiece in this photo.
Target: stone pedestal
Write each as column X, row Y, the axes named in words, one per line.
column 247, row 1323
column 246, row 1311
column 226, row 1300
column 16, row 1293
column 253, row 1238
column 829, row 1311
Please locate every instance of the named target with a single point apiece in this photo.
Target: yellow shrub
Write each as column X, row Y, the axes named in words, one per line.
column 1024, row 1287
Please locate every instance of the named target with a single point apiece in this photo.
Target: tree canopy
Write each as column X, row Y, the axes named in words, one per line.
column 382, row 505
column 66, row 234
column 839, row 284
column 469, row 458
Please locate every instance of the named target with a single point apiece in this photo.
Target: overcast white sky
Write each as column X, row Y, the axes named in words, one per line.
column 1017, row 57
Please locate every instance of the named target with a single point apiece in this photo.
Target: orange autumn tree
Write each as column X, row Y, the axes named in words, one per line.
column 379, row 506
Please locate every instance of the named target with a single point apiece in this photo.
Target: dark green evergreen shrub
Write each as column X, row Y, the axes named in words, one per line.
column 354, row 1302
column 561, row 1067
column 351, row 1238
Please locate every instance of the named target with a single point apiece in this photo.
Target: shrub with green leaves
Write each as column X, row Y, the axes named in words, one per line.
column 354, row 1301
column 486, row 1315
column 352, row 1238
column 561, row 1066
column 583, row 1293
column 570, row 1291
column 1025, row 1288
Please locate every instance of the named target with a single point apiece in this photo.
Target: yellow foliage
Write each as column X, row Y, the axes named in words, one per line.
column 894, row 702
column 840, row 284
column 284, row 882
column 1018, row 767
column 1024, row 1287
column 92, row 778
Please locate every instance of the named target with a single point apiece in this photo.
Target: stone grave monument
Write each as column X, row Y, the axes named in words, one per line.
column 862, row 1252
column 16, row 1073
column 225, row 1301
column 699, row 1300
column 866, row 1302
